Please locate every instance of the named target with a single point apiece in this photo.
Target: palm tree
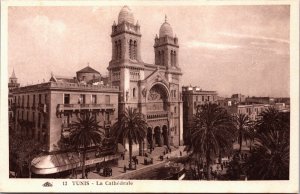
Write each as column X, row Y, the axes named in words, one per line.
column 242, row 124
column 213, row 131
column 131, row 126
column 85, row 132
column 269, row 159
column 272, row 119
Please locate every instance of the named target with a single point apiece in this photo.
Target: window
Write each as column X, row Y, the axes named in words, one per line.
column 208, row 98
column 27, row 100
column 175, row 109
column 33, row 116
column 66, row 98
column 135, row 50
column 197, row 98
column 40, row 98
column 202, row 98
column 107, row 99
column 130, row 49
column 33, row 100
column 45, row 98
column 82, row 99
column 23, row 101
column 94, row 99
column 120, row 49
column 39, row 121
column 107, row 116
column 133, row 93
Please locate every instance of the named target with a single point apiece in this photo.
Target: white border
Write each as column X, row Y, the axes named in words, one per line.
column 35, row 185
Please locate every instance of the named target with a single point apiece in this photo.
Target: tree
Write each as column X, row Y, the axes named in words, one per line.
column 22, row 150
column 213, row 131
column 131, row 126
column 242, row 125
column 85, row 132
column 272, row 119
column 269, row 159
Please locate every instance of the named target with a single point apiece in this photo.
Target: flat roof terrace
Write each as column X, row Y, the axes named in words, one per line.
column 66, row 87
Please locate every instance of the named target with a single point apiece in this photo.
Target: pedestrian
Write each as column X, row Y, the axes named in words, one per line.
column 137, row 161
column 125, row 169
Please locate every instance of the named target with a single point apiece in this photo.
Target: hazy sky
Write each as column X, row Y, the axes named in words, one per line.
column 230, row 49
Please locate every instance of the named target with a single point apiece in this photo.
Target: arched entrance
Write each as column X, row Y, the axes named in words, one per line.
column 149, row 138
column 157, row 137
column 165, row 135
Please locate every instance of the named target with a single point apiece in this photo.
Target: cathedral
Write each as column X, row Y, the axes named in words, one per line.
column 154, row 89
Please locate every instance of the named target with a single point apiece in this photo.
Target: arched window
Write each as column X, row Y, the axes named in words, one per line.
column 120, row 49
column 159, row 58
column 171, row 57
column 116, row 50
column 162, row 57
column 134, row 50
column 130, row 49
column 133, row 93
column 174, row 60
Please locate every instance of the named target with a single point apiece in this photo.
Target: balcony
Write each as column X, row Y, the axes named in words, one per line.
column 78, row 107
column 157, row 115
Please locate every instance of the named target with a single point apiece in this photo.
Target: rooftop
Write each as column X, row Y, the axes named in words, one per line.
column 66, row 86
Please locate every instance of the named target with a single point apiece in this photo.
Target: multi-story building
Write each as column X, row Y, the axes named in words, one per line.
column 45, row 111
column 154, row 89
column 193, row 97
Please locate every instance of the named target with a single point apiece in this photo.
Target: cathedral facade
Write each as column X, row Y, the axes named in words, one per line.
column 154, row 89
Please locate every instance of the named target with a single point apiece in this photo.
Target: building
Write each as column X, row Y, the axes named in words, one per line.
column 252, row 110
column 260, row 100
column 154, row 89
column 193, row 97
column 44, row 112
column 12, row 84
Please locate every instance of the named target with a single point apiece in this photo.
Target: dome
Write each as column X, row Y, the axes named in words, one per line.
column 165, row 30
column 126, row 15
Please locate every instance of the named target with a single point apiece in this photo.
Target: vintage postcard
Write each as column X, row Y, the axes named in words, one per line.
column 149, row 96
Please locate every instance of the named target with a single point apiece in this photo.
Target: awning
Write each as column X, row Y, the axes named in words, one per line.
column 55, row 163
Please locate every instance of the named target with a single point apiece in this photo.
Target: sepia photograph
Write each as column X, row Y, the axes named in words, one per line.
column 124, row 94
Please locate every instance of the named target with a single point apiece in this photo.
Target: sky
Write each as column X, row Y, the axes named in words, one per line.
column 228, row 49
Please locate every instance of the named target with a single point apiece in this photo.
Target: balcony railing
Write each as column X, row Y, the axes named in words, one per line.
column 73, row 107
column 157, row 115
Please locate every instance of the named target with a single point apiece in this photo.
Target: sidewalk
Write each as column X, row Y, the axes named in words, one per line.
column 118, row 171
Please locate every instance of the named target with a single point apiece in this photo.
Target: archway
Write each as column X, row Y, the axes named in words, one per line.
column 165, row 135
column 157, row 98
column 157, row 134
column 149, row 138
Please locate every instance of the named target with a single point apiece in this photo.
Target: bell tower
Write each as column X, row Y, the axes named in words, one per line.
column 126, row 38
column 166, row 47
column 126, row 67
